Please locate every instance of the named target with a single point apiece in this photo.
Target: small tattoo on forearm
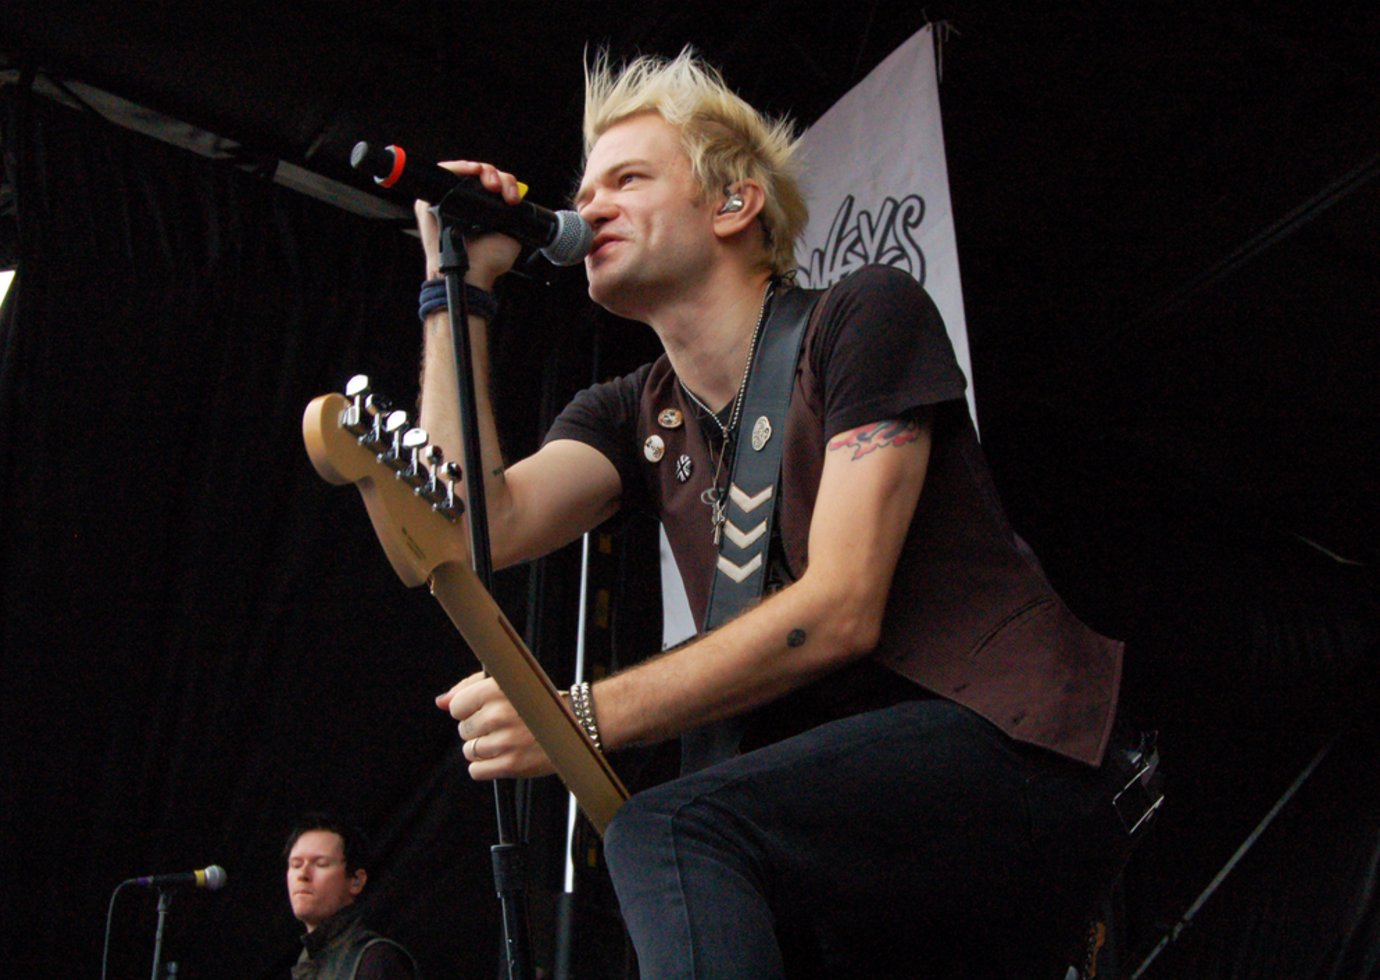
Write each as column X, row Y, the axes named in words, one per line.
column 795, row 638
column 867, row 438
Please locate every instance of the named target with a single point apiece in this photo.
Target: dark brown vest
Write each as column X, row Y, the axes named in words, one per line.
column 970, row 617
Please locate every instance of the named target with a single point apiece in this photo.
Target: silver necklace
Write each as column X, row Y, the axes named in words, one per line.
column 715, row 498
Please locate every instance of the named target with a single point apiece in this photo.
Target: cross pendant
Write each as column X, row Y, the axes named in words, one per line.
column 718, row 511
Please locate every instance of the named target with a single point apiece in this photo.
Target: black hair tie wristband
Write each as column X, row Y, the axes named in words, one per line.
column 433, row 298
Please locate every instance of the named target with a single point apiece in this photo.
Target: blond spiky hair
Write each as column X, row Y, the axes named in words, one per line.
column 726, row 139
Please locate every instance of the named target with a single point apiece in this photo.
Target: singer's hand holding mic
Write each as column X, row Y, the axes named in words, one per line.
column 489, row 255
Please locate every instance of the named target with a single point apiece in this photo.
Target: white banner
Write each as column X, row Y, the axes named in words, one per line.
column 878, row 186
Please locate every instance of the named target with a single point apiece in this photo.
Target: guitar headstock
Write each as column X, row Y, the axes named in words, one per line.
column 409, row 491
column 358, row 438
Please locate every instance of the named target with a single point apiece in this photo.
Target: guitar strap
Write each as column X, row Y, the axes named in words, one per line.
column 740, row 571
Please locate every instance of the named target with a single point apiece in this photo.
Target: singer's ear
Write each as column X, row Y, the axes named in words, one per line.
column 737, row 208
column 357, row 882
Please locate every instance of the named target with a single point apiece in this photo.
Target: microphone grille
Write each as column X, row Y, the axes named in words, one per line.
column 574, row 238
column 215, row 877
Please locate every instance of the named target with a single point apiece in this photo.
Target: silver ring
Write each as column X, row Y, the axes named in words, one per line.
column 474, row 748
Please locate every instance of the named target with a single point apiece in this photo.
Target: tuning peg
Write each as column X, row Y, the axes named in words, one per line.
column 376, row 407
column 435, row 458
column 394, row 427
column 356, row 389
column 377, row 404
column 440, row 486
column 454, row 506
column 414, row 440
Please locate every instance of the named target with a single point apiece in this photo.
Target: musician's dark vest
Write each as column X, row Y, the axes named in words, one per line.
column 970, row 617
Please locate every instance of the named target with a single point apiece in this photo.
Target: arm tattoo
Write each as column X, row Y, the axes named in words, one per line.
column 879, row 435
column 795, row 638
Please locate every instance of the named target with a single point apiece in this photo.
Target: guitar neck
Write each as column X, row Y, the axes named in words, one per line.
column 583, row 768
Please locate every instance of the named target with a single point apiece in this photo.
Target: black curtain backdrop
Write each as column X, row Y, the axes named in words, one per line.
column 1302, row 900
column 201, row 638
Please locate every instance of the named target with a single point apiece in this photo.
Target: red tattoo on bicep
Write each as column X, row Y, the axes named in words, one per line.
column 879, row 435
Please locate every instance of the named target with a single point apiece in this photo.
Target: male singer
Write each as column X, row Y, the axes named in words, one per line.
column 896, row 760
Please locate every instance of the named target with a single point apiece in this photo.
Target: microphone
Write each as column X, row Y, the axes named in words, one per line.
column 562, row 236
column 212, row 878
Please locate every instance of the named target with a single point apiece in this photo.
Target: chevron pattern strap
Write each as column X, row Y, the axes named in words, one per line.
column 749, row 504
column 740, row 571
column 752, row 499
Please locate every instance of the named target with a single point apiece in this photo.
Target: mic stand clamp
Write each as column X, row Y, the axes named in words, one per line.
column 509, row 860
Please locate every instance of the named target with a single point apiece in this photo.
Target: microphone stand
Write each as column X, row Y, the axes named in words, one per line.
column 509, row 856
column 164, row 900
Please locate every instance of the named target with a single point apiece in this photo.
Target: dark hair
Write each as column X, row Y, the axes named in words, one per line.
column 352, row 840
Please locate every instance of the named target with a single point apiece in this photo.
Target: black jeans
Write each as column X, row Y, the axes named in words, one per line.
column 914, row 841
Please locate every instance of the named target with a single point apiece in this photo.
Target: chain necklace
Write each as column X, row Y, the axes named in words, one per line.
column 714, row 497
